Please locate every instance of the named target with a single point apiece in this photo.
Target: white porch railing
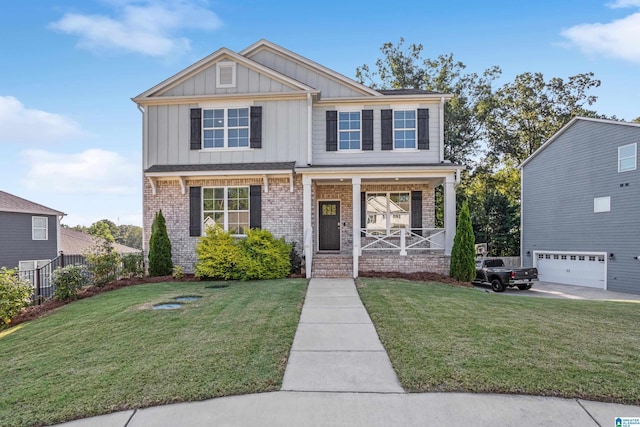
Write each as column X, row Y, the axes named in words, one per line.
column 308, row 252
column 403, row 240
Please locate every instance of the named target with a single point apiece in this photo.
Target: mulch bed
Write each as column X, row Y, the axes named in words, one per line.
column 421, row 276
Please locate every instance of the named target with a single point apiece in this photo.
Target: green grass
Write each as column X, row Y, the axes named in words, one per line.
column 442, row 338
column 112, row 352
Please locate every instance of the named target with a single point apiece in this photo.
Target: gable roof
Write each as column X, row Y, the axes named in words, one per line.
column 266, row 44
column 569, row 125
column 11, row 203
column 74, row 242
column 208, row 62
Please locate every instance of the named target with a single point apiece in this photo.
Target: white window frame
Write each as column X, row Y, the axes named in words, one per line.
column 359, row 130
column 220, row 65
column 415, row 129
column 634, row 157
column 388, row 214
column 602, row 204
column 34, row 227
column 225, row 210
column 226, row 128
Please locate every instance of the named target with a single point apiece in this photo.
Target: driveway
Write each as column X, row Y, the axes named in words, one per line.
column 556, row 290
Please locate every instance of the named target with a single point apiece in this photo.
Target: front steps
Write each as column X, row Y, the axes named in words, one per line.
column 332, row 266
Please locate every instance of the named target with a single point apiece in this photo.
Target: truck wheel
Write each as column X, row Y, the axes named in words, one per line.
column 497, row 285
column 525, row 287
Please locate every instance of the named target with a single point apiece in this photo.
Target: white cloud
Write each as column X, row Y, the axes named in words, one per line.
column 19, row 124
column 141, row 26
column 94, row 171
column 616, row 39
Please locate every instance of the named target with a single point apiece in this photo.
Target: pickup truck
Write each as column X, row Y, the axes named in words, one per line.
column 493, row 271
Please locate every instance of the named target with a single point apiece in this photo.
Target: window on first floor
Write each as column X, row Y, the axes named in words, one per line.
column 627, row 155
column 225, row 128
column 39, row 228
column 227, row 207
column 388, row 211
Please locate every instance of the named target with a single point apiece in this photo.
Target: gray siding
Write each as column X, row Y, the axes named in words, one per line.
column 559, row 186
column 16, row 243
column 323, row 157
column 247, row 81
column 284, row 136
column 329, row 87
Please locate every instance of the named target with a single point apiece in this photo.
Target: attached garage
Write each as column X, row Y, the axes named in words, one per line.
column 572, row 268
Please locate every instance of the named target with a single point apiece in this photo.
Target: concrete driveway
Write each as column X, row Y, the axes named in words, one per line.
column 556, row 290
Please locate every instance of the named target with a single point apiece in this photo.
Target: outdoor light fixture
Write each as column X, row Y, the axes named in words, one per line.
column 610, row 256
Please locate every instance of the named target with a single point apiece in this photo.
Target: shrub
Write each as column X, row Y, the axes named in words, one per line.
column 462, row 266
column 132, row 265
column 160, row 263
column 68, row 280
column 295, row 259
column 15, row 294
column 178, row 272
column 103, row 263
column 262, row 256
column 217, row 255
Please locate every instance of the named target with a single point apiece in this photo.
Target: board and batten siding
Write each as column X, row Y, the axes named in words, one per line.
column 329, row 87
column 559, row 187
column 16, row 243
column 376, row 156
column 284, row 136
column 247, row 81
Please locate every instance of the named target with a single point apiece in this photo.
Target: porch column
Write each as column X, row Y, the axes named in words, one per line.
column 355, row 195
column 449, row 212
column 307, row 224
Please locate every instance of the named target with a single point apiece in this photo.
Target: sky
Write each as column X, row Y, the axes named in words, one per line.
column 71, row 138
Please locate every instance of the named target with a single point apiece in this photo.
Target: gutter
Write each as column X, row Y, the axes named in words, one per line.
column 309, row 129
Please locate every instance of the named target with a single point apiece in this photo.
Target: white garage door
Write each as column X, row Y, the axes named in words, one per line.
column 572, row 268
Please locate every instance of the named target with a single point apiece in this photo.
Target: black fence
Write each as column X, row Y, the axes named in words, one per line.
column 40, row 278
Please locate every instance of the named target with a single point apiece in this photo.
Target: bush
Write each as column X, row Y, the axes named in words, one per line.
column 295, row 259
column 103, row 263
column 463, row 267
column 262, row 256
column 218, row 255
column 132, row 265
column 178, row 272
column 160, row 263
column 15, row 294
column 68, row 280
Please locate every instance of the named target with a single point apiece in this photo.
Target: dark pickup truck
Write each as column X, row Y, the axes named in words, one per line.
column 492, row 271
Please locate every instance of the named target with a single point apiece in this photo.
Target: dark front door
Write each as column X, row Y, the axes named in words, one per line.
column 329, row 226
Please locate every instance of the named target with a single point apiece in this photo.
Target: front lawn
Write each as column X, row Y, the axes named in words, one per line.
column 112, row 351
column 443, row 338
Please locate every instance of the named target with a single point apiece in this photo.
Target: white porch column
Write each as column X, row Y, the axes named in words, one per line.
column 355, row 188
column 307, row 224
column 449, row 212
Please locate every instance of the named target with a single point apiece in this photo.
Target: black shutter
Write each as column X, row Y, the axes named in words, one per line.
column 255, row 206
column 195, row 209
column 423, row 129
column 386, row 123
column 332, row 130
column 367, row 129
column 416, row 212
column 196, row 128
column 255, row 141
column 363, row 211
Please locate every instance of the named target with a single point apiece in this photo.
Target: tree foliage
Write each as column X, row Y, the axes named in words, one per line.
column 160, row 263
column 15, row 294
column 462, row 265
column 128, row 235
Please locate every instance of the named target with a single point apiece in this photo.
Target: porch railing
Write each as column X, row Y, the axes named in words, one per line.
column 403, row 240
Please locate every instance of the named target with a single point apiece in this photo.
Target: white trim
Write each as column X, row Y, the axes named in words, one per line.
column 225, row 64
column 349, row 111
column 577, row 253
column 34, row 228
column 183, row 184
column 441, row 126
column 602, row 204
column 152, row 182
column 220, row 97
column 635, row 157
column 226, row 128
column 415, row 129
column 318, row 224
column 265, row 183
column 309, row 130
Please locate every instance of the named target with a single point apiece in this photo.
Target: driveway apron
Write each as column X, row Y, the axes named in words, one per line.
column 336, row 347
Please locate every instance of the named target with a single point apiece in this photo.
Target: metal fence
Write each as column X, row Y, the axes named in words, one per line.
column 40, row 277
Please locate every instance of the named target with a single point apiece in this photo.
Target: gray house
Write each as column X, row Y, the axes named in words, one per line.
column 267, row 138
column 581, row 206
column 29, row 233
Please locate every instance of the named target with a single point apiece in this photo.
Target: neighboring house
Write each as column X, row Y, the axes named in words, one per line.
column 74, row 242
column 581, row 204
column 29, row 233
column 267, row 138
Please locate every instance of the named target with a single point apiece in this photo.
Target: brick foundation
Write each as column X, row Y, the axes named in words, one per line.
column 405, row 264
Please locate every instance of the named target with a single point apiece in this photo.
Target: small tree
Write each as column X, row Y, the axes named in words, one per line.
column 160, row 263
column 463, row 253
column 103, row 262
column 14, row 295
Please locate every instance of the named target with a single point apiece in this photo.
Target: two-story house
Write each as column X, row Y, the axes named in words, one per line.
column 580, row 204
column 29, row 233
column 267, row 138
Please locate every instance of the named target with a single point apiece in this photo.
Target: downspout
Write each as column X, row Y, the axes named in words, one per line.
column 309, row 129
column 521, row 217
column 58, row 234
column 441, row 117
column 144, row 135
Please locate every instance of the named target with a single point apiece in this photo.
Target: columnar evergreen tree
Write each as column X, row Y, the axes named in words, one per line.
column 463, row 253
column 160, row 263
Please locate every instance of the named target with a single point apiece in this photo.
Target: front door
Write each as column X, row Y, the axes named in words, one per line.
column 329, row 226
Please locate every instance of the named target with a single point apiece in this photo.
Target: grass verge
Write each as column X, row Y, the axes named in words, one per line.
column 442, row 338
column 112, row 352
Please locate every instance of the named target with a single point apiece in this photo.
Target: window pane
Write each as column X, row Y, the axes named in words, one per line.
column 207, row 193
column 39, row 222
column 627, row 164
column 218, row 205
column 233, row 204
column 219, row 193
column 233, row 192
column 207, row 114
column 207, row 205
column 39, row 234
column 243, row 204
column 627, row 150
column 243, row 192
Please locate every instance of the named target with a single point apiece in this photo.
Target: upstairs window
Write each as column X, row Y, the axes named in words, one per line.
column 39, row 228
column 404, row 129
column 349, row 130
column 225, row 128
column 627, row 155
column 226, row 206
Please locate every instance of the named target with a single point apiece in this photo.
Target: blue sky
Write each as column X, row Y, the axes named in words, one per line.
column 70, row 137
